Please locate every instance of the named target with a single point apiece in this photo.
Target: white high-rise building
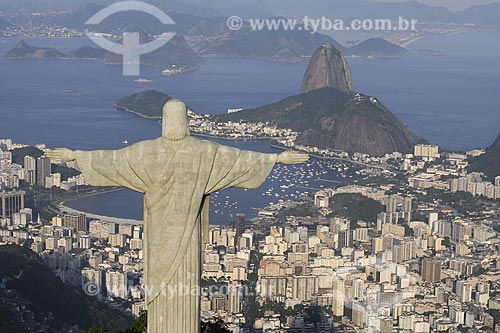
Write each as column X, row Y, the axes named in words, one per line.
column 51, row 243
column 43, row 169
column 304, row 287
column 84, row 242
column 5, row 144
column 459, row 184
column 234, row 298
column 427, row 151
column 30, row 169
column 358, row 289
column 53, row 180
column 24, row 217
column 338, row 297
column 92, row 280
column 116, row 284
column 358, row 314
column 272, row 286
column 464, row 291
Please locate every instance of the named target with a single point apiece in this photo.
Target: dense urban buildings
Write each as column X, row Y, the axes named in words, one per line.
column 416, row 261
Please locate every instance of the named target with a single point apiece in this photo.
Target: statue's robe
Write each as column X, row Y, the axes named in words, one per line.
column 176, row 178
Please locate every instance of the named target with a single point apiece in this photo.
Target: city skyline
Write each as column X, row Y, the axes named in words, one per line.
column 366, row 156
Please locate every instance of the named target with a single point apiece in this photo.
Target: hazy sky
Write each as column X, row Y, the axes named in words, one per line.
column 450, row 4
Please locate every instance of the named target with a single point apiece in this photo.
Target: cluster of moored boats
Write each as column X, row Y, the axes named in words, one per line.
column 287, row 183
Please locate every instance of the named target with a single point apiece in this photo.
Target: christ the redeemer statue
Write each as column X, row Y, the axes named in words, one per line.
column 176, row 173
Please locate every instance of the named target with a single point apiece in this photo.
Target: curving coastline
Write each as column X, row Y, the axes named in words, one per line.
column 63, row 208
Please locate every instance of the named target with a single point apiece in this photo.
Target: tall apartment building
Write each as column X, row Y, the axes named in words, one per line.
column 11, row 203
column 358, row 289
column 235, row 298
column 116, row 284
column 5, row 144
column 358, row 314
column 427, row 151
column 53, row 180
column 272, row 286
column 240, row 225
column 345, row 239
column 24, row 217
column 304, row 287
column 338, row 287
column 75, row 222
column 30, row 169
column 431, row 270
column 43, row 169
column 464, row 291
column 460, row 231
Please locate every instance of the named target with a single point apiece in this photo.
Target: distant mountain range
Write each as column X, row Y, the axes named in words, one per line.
column 212, row 37
column 482, row 14
column 293, row 46
column 167, row 5
column 132, row 21
column 348, row 9
column 175, row 54
column 489, row 163
column 486, row 15
column 289, row 46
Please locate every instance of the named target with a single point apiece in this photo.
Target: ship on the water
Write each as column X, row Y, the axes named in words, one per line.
column 71, row 91
column 174, row 70
column 143, row 80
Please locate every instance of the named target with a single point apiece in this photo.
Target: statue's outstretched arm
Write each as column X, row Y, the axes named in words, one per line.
column 292, row 157
column 61, row 155
column 104, row 167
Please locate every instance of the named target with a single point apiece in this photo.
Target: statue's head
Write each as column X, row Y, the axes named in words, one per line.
column 175, row 120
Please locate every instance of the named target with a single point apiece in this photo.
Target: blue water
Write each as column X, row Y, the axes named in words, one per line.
column 451, row 101
column 32, row 95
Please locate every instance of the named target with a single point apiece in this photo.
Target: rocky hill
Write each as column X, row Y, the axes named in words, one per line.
column 175, row 54
column 278, row 45
column 25, row 51
column 489, row 163
column 485, row 14
column 88, row 53
column 327, row 68
column 377, row 47
column 329, row 118
column 329, row 115
column 148, row 103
